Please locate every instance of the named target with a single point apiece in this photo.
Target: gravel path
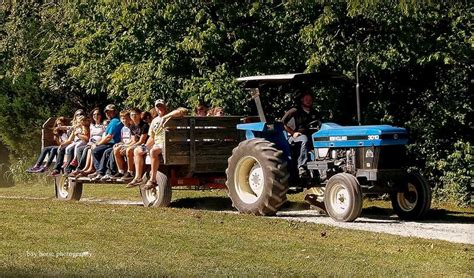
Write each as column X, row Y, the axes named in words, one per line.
column 440, row 230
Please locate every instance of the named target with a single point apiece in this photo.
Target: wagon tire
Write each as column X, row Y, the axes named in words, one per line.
column 160, row 196
column 67, row 189
column 257, row 177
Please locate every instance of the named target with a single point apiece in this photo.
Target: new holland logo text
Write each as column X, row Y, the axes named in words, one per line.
column 338, row 138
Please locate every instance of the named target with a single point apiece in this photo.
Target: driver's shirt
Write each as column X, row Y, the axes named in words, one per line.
column 298, row 119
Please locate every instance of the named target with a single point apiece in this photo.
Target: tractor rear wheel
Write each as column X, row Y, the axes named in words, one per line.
column 257, row 177
column 343, row 197
column 412, row 201
column 67, row 189
column 160, row 196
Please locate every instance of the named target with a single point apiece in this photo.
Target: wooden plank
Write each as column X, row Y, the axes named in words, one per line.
column 47, row 135
column 178, row 135
column 215, row 148
column 192, row 146
column 226, row 121
column 179, row 122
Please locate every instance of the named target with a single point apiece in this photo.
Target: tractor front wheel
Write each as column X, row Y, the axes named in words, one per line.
column 257, row 177
column 412, row 201
column 343, row 197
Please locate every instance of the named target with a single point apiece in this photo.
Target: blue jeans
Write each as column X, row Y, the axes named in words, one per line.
column 302, row 152
column 50, row 151
column 99, row 159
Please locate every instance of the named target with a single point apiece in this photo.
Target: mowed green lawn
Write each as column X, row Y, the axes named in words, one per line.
column 50, row 237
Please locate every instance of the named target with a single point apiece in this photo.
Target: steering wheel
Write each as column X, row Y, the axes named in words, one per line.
column 314, row 125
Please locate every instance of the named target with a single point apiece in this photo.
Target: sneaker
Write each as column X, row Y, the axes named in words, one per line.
column 33, row 169
column 118, row 175
column 73, row 163
column 97, row 177
column 106, row 178
column 55, row 173
column 128, row 176
column 41, row 169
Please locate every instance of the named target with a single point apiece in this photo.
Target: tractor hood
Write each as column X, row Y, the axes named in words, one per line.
column 334, row 135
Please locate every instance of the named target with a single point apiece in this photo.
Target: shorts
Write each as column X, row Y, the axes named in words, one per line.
column 146, row 150
column 122, row 147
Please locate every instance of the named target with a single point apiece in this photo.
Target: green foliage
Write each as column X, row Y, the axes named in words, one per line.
column 458, row 175
column 415, row 62
column 16, row 172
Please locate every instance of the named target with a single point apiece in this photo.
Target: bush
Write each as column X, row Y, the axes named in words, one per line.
column 17, row 174
column 457, row 175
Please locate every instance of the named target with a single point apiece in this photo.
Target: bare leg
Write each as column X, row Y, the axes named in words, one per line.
column 119, row 160
column 138, row 158
column 130, row 160
column 155, row 162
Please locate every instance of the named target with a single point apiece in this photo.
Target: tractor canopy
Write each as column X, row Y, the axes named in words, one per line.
column 296, row 78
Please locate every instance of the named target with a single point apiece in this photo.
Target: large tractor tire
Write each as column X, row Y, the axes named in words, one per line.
column 67, row 189
column 159, row 196
column 413, row 201
column 257, row 177
column 343, row 197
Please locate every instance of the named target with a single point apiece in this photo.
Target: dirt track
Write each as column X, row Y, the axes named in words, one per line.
column 430, row 229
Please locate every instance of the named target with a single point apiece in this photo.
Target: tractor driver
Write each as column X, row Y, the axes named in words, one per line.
column 297, row 121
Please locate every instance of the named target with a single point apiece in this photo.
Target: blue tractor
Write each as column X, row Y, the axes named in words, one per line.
column 345, row 163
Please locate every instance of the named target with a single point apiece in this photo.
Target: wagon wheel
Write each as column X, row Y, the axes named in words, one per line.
column 159, row 196
column 67, row 189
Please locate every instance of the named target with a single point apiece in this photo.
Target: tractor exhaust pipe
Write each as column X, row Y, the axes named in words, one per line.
column 357, row 89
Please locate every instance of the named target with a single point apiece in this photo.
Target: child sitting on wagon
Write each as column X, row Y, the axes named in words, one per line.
column 60, row 136
column 139, row 130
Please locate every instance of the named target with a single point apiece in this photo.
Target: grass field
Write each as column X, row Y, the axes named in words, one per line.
column 50, row 237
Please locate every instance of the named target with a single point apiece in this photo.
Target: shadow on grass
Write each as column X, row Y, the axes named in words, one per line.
column 204, row 203
column 224, row 203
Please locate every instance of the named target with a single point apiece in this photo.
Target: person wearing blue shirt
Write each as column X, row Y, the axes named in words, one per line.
column 111, row 136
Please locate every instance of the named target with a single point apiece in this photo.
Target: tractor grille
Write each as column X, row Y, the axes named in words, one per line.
column 392, row 157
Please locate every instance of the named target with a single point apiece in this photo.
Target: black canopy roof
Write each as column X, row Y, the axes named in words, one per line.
column 297, row 78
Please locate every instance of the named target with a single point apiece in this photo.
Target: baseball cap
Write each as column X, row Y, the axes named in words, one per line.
column 110, row 107
column 159, row 102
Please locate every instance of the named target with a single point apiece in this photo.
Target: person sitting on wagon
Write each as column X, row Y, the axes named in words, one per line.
column 297, row 121
column 139, row 154
column 201, row 109
column 110, row 168
column 79, row 138
column 60, row 136
column 112, row 136
column 62, row 147
column 216, row 112
column 97, row 129
column 139, row 131
column 156, row 144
